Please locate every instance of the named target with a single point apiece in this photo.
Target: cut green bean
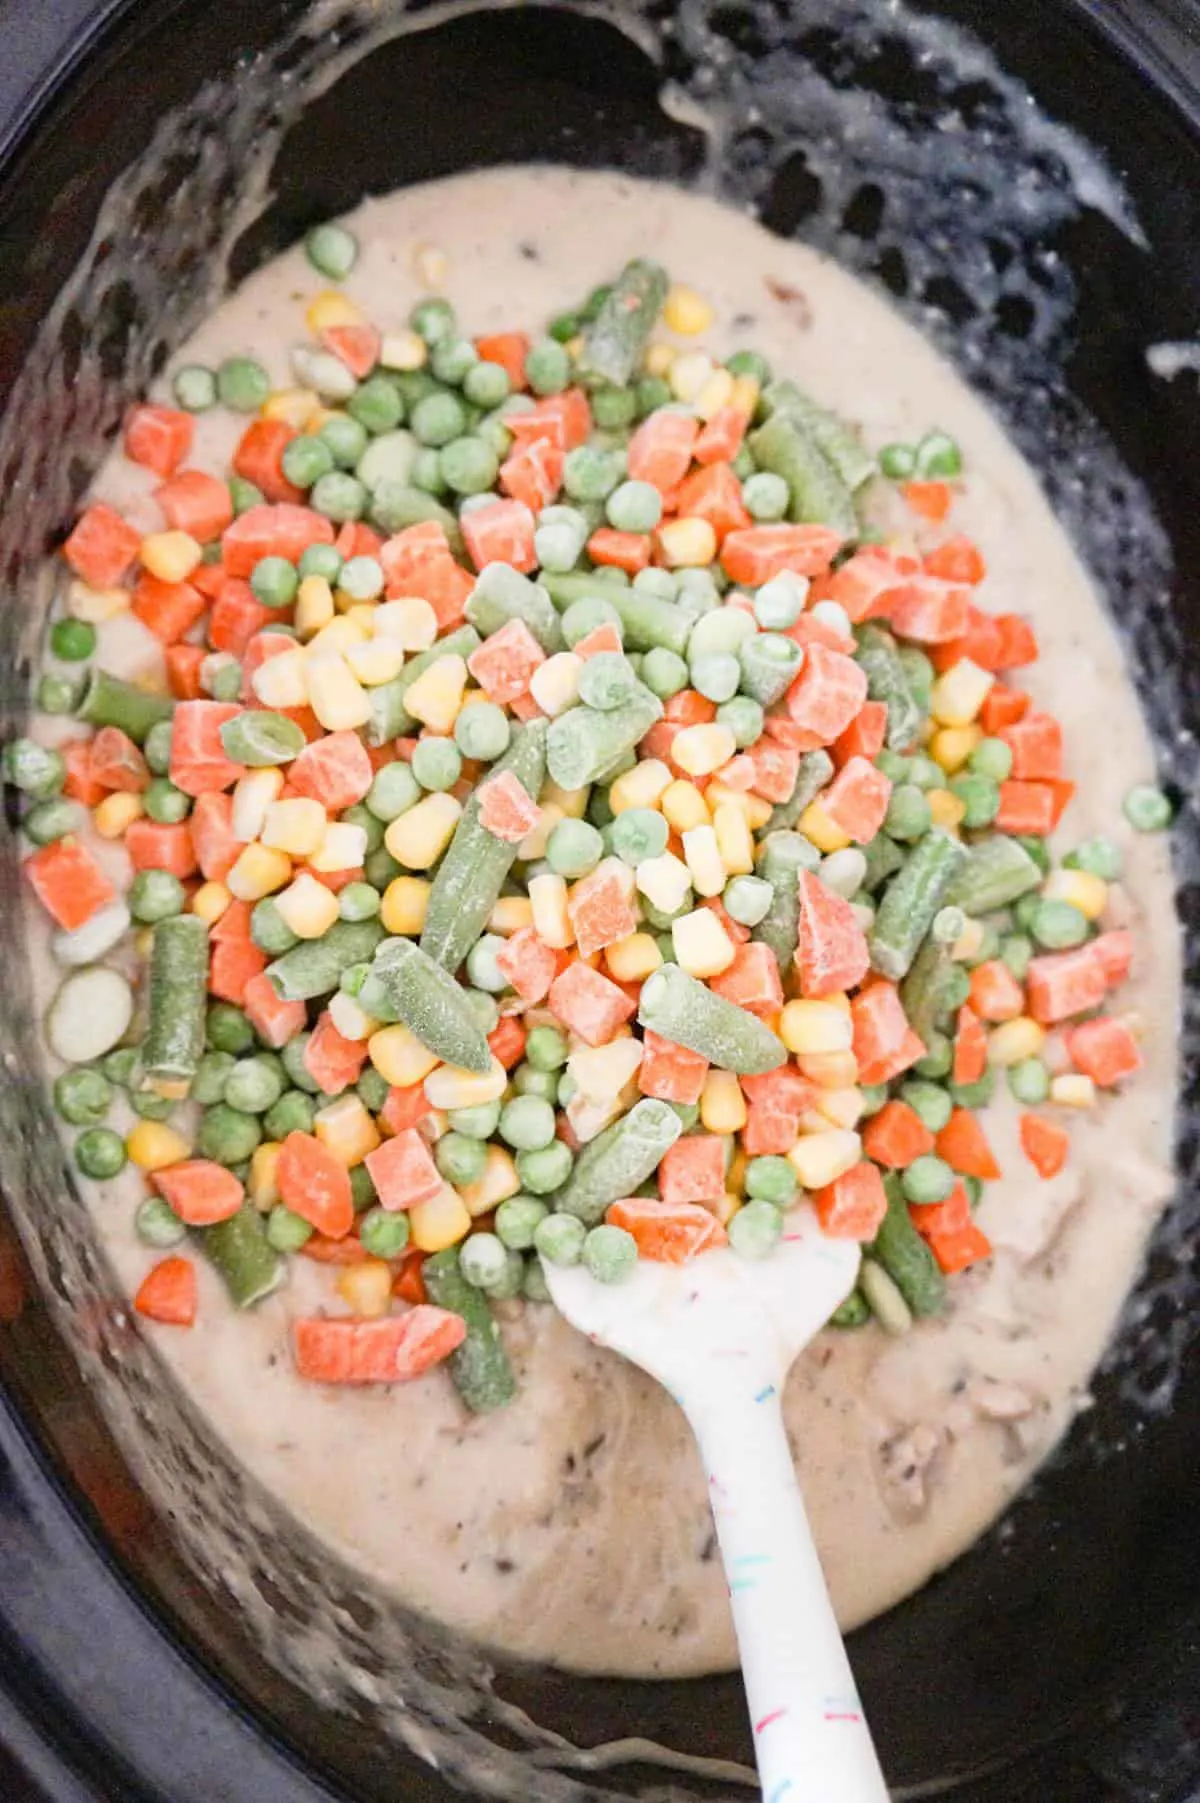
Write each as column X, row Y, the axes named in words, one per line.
column 107, row 701
column 768, row 663
column 583, row 744
column 502, row 594
column 817, row 492
column 910, row 901
column 174, row 1041
column 899, row 1248
column 996, row 873
column 816, row 769
column 479, row 1368
column 424, row 995
column 852, row 461
column 681, row 1008
column 649, row 623
column 619, row 1159
column 780, row 859
column 617, row 336
column 314, row 967
column 887, row 681
column 243, row 1256
column 924, row 990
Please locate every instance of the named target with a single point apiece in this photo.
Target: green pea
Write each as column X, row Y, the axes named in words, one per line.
column 528, row 1082
column 384, row 1234
column 459, row 1158
column 486, row 384
column 253, row 1086
column 483, row 1260
column 244, row 495
column 980, row 797
column 194, row 388
column 908, row 815
column 1099, row 856
column 545, row 1169
column 332, row 251
column 394, row 789
column 120, row 1066
column 83, row 1096
column 362, row 578
column 436, row 763
column 664, row 673
column 376, row 405
column 358, row 901
column 1147, row 809
column 748, row 900
column 426, row 471
column 274, row 581
column 51, row 820
column 228, row 1135
column 771, row 1179
column 637, row 834
column 148, row 1105
column 482, row 733
column 574, row 849
column 590, row 474
column 716, row 677
column 242, row 384
column 1016, row 950
column 381, row 869
column 613, row 409
column 345, row 438
column 321, row 560
column 653, row 581
column 165, row 803
column 749, row 363
column 650, row 393
column 1058, row 926
column 305, row 458
column 634, row 507
column 938, row 1059
column 898, row 462
column 72, row 640
column 34, row 769
column 874, row 1095
column 925, row 772
column 287, row 1231
column 479, row 1122
column 937, row 457
column 920, row 673
column 755, row 1230
column 269, row 930
column 339, row 496
column 610, row 1254
column 547, row 367
column 156, row 748
column 929, row 1101
column 212, row 1072
column 974, row 1095
column 156, row 895
column 546, row 1049
column 927, row 1179
column 433, row 320
column 59, row 694
column 1028, row 1082
column 438, row 419
column 517, row 1222
column 992, row 757
column 482, row 967
column 559, row 1239
column 156, row 1224
column 743, row 716
column 100, row 1153
column 228, row 1029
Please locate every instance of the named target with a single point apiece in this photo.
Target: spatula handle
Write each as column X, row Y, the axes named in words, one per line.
column 811, row 1739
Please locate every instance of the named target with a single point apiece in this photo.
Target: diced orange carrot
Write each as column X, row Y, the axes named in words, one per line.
column 234, row 923
column 970, row 1047
column 929, row 611
column 198, row 759
column 982, row 642
column 1002, row 707
column 274, row 1020
column 211, row 825
column 506, row 1041
column 929, row 500
column 356, row 539
column 200, row 1191
column 752, row 981
column 733, row 929
column 1061, row 984
column 619, row 550
column 864, row 736
column 312, row 1183
column 509, row 350
column 774, row 769
column 1044, row 1143
column 335, row 771
column 865, row 583
column 152, row 846
column 159, row 438
column 167, row 609
column 668, row 1233
column 259, row 459
column 832, row 953
column 233, row 965
column 852, row 1207
column 357, row 346
column 956, row 1251
column 1018, row 642
column 409, row 1284
column 168, row 1293
column 502, row 532
column 948, row 1217
column 896, row 1136
column 589, row 1004
column 755, row 554
column 507, row 810
column 959, row 559
column 336, row 880
column 713, row 494
column 528, row 965
column 404, row 1108
column 1036, row 743
column 669, row 1072
column 693, row 1170
column 963, row 1144
column 102, row 546
column 857, row 799
column 690, row 708
column 331, row 1060
column 720, row 438
column 208, row 577
column 1114, row 952
column 403, row 1171
column 995, row 993
column 824, row 698
column 531, row 475
column 392, row 1350
column 564, row 420
column 236, row 617
column 605, row 637
column 80, row 782
column 418, row 561
column 117, row 762
column 196, row 503
column 1026, row 808
column 68, row 882
column 1104, row 1050
column 601, row 910
column 776, row 1104
column 660, row 451
column 272, row 529
column 505, row 661
column 884, row 1043
column 811, row 631
column 183, row 671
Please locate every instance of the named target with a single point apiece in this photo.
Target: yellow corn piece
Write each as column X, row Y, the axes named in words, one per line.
column 314, row 606
column 210, row 902
column 951, row 746
column 820, row 1158
column 734, row 840
column 821, row 831
column 572, row 802
column 664, row 881
column 702, row 946
column 307, row 907
column 686, row 312
column 418, row 837
column 152, row 1146
column 171, row 556
column 436, row 696
column 411, row 621
column 687, row 544
column 252, row 796
column 1081, row 888
column 551, row 921
column 344, row 847
column 533, row 845
column 633, row 959
column 722, row 1104
column 969, row 944
column 448, row 1087
column 684, row 808
column 117, row 812
column 702, row 855
column 554, row 685
column 366, row 1288
column 727, row 1207
column 263, row 1185
column 259, row 871
column 603, row 1071
column 959, row 693
column 293, row 406
column 753, row 809
column 1073, row 1090
column 659, row 358
column 332, row 308
column 839, row 1107
column 1015, row 1040
column 746, row 390
column 945, row 809
column 642, row 787
column 403, row 350
column 716, row 393
column 808, row 1027
column 399, row 1057
column 510, row 914
column 143, row 942
column 95, row 605
column 440, row 1222
column 699, row 750
column 405, row 901
column 829, row 1070
column 431, row 266
column 296, row 826
column 335, row 694
column 687, row 375
column 282, row 681
column 338, row 635
column 346, row 1129
column 498, row 1183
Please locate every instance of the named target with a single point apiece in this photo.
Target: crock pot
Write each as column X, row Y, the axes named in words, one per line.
column 145, row 144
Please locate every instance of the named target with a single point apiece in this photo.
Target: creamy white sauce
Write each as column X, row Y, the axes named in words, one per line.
column 573, row 1527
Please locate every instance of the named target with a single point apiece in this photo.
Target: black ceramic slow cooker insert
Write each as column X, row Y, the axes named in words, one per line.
column 145, row 145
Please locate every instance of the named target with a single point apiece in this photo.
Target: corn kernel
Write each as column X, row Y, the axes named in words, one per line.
column 95, row 605
column 314, row 606
column 171, row 556
column 829, row 1070
column 839, row 1107
column 332, row 308
column 684, row 807
column 686, row 312
column 633, row 959
column 152, row 1146
column 350, row 1017
column 409, row 620
column 405, row 902
column 821, row 1158
column 447, row 1087
column 1081, row 888
column 734, row 840
column 959, row 693
column 292, row 405
column 418, row 837
column 210, row 902
column 344, row 847
column 716, row 393
column 642, row 787
column 603, row 1071
column 722, row 1104
column 282, row 681
column 814, row 1027
column 346, row 1129
column 112, row 816
column 588, row 1116
column 702, row 855
column 337, row 635
column 1015, row 1040
column 945, row 809
column 665, row 881
column 511, row 914
column 431, row 266
column 263, row 1184
column 659, row 358
column 172, row 1089
column 498, row 1183
column 726, row 1208
column 752, row 808
column 821, row 831
column 1073, row 1090
column 399, row 1057
column 572, row 802
column 554, row 685
column 143, row 942
column 335, row 694
column 551, row 921
column 376, row 662
column 443, row 1221
column 307, row 907
column 969, row 944
column 297, row 826
column 259, row 871
column 366, row 1288
column 436, row 696
column 252, row 796
column 688, row 373
column 746, row 390
column 951, row 746
column 700, row 750
column 320, row 417
column 702, row 946
column 403, row 350
column 687, row 544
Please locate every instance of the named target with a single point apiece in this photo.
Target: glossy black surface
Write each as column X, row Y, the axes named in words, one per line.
column 1073, row 1660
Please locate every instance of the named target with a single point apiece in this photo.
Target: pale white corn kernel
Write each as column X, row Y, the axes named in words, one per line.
column 344, row 847
column 435, row 698
column 252, row 796
column 418, row 837
column 734, row 839
column 959, row 693
column 431, row 266
column 684, row 807
column 701, row 750
column 297, row 826
column 511, row 914
column 410, row 620
column 551, row 921
column 258, row 871
column 498, row 1183
column 1015, row 1040
column 342, row 631
column 351, row 1020
column 533, row 845
column 314, row 606
column 335, row 694
column 603, row 1071
column 722, row 1104
column 641, row 787
column 844, row 871
column 588, row 1116
column 664, row 881
column 554, row 685
column 1073, row 1090
column 282, row 681
column 307, row 907
column 572, row 802
column 687, row 544
column 448, row 1087
column 716, row 393
column 821, row 1158
column 834, row 615
column 688, row 373
column 969, row 942
column 702, row 946
column 810, row 1028
column 403, row 350
column 702, row 855
column 829, row 1070
column 840, row 1107
column 95, row 605
column 380, row 660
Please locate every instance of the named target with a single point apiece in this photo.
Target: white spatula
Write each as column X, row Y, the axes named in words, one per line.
column 720, row 1334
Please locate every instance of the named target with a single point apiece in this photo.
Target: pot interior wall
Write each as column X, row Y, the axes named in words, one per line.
column 1080, row 1605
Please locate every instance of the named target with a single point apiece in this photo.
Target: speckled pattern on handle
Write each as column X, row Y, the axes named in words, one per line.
column 720, row 1334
